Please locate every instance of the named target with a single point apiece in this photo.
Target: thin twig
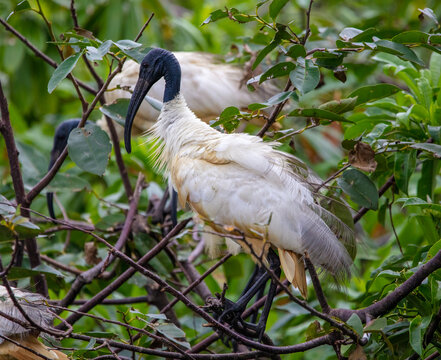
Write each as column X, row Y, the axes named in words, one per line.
column 308, row 18
column 276, row 111
column 393, row 226
column 87, row 276
column 317, row 286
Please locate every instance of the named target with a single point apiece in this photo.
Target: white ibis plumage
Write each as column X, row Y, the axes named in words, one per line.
column 221, row 85
column 36, row 308
column 237, row 181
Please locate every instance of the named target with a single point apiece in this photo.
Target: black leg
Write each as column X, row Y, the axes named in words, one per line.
column 275, row 266
column 174, row 207
column 259, row 295
column 233, row 311
column 257, row 272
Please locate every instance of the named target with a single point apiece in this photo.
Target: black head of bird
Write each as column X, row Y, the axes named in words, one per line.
column 60, row 142
column 156, row 64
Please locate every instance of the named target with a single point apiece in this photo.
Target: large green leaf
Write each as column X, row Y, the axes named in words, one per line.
column 416, row 335
column 411, row 37
column 274, row 100
column 275, row 7
column 33, row 164
column 306, row 76
column 355, row 322
column 340, row 106
column 398, row 49
column 264, row 52
column 117, row 111
column 404, row 167
column 427, row 182
column 21, row 6
column 62, row 71
column 89, row 148
column 229, row 119
column 373, row 92
column 278, row 70
column 434, row 149
column 319, row 114
column 95, row 54
column 360, row 188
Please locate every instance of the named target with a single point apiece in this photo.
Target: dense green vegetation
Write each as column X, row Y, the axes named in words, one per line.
column 361, row 105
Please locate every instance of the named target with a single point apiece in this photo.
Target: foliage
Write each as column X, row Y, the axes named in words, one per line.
column 361, row 104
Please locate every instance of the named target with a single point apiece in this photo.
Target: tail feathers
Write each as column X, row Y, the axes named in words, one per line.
column 292, row 266
column 10, row 351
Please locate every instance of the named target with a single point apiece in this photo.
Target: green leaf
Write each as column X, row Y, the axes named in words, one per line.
column 347, row 34
column 404, row 166
column 296, row 51
column 5, row 207
column 124, row 45
column 360, row 188
column 435, row 69
column 215, row 16
column 434, row 149
column 355, row 322
column 306, row 76
column 137, row 54
column 62, row 71
column 274, row 100
column 399, row 50
column 275, row 7
column 21, row 6
column 376, row 325
column 21, row 273
column 427, row 182
column 340, row 106
column 95, row 54
column 67, row 181
column 434, row 249
column 172, row 332
column 264, row 52
column 117, row 111
column 33, row 163
column 229, row 119
column 319, row 114
column 278, row 70
column 89, row 148
column 411, row 37
column 365, row 36
column 101, row 334
column 328, row 60
column 416, row 336
column 427, row 208
column 24, row 228
column 373, row 92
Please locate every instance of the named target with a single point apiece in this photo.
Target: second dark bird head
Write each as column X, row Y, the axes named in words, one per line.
column 60, row 141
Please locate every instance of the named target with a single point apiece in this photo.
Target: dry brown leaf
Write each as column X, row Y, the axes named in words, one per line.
column 90, row 253
column 358, row 354
column 363, row 157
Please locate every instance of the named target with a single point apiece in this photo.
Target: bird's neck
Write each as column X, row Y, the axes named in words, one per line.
column 172, row 78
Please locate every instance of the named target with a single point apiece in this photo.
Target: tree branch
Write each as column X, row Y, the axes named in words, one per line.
column 87, row 276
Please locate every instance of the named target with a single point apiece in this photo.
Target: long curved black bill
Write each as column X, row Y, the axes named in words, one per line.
column 141, row 89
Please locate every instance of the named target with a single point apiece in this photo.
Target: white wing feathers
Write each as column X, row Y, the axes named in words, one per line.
column 239, row 180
